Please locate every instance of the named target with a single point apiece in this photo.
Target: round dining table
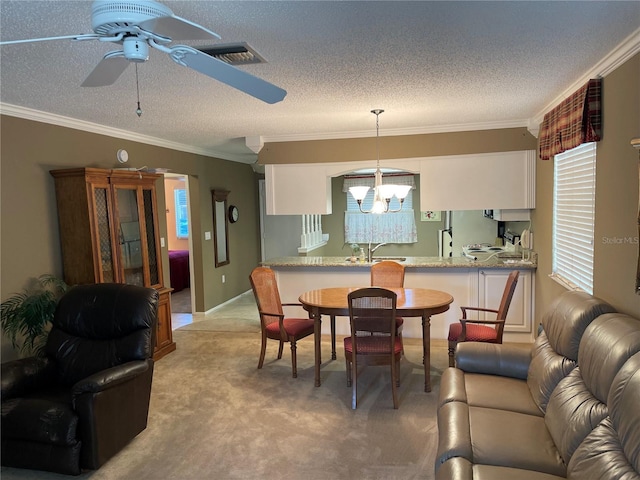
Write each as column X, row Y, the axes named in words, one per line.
column 411, row 302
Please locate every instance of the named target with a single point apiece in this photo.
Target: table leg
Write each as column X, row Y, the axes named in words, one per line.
column 333, row 337
column 317, row 335
column 426, row 350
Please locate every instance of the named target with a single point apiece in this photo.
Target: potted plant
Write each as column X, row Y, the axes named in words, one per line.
column 26, row 317
column 355, row 252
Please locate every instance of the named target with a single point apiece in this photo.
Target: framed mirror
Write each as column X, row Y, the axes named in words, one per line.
column 220, row 227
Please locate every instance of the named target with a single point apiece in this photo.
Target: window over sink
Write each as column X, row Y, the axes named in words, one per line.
column 393, row 227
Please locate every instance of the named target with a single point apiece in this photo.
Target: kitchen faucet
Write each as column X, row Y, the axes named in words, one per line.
column 371, row 250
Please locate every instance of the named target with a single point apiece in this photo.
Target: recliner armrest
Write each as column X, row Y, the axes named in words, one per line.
column 26, row 375
column 494, row 359
column 111, row 377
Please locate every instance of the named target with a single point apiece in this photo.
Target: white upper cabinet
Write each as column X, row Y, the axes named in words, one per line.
column 504, row 180
column 297, row 189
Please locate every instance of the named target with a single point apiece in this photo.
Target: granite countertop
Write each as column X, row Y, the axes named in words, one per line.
column 408, row 262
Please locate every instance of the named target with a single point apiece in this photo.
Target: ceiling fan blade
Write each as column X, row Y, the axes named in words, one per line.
column 107, row 71
column 232, row 76
column 177, row 28
column 83, row 36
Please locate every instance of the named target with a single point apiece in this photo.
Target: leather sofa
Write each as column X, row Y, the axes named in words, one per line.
column 80, row 404
column 565, row 408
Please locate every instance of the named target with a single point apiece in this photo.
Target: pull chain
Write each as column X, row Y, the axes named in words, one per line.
column 138, row 110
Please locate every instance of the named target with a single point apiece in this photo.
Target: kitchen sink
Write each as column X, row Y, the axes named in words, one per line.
column 380, row 259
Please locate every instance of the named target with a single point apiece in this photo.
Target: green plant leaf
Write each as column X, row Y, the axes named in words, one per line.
column 25, row 317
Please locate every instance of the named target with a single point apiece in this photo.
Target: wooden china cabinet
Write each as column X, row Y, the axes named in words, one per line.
column 109, row 234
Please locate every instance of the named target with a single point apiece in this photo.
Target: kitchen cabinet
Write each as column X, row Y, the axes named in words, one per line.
column 521, row 215
column 497, row 180
column 519, row 324
column 501, row 180
column 108, row 223
column 297, row 190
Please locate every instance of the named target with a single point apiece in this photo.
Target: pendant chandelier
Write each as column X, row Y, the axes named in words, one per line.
column 382, row 194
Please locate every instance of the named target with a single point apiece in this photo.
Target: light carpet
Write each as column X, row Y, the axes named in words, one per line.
column 214, row 415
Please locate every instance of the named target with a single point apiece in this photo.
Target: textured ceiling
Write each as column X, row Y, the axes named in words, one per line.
column 432, row 66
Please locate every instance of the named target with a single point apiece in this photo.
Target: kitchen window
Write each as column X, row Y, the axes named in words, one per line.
column 574, row 216
column 393, row 227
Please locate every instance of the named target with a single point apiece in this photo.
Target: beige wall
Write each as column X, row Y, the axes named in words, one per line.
column 616, row 200
column 403, row 146
column 30, row 242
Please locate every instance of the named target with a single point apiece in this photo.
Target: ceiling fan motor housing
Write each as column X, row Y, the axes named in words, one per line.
column 109, row 16
column 135, row 50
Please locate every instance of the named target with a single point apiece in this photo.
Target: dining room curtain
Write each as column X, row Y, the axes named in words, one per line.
column 576, row 120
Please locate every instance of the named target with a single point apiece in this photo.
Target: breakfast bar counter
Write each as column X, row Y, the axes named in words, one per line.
column 509, row 262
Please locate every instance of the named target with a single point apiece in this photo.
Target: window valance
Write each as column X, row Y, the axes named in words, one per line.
column 369, row 180
column 577, row 120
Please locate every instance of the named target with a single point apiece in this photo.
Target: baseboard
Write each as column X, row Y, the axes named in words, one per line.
column 217, row 307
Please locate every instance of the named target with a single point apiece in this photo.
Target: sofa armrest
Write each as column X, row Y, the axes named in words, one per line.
column 111, row 377
column 25, row 375
column 455, row 468
column 494, row 359
column 454, row 433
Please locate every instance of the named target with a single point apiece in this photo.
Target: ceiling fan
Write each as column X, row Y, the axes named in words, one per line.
column 137, row 25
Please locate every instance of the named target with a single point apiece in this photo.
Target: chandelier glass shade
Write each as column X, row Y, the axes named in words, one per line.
column 383, row 193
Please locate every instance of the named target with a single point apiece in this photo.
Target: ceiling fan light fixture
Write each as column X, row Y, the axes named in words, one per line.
column 135, row 50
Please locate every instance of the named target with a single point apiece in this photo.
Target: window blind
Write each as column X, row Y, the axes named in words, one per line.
column 573, row 217
column 182, row 216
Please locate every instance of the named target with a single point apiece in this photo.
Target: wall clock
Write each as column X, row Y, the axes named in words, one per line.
column 233, row 214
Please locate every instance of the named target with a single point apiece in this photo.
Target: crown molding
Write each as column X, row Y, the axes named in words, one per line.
column 619, row 55
column 62, row 121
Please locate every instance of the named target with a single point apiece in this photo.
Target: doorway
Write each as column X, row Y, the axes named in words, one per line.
column 179, row 242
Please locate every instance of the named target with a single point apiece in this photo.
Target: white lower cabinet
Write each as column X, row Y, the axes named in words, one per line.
column 520, row 318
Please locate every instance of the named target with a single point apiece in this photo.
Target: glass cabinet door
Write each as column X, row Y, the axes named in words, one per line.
column 137, row 230
column 106, row 269
column 130, row 236
column 153, row 256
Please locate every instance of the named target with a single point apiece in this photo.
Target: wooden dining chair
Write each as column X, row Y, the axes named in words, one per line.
column 273, row 323
column 372, row 309
column 389, row 274
column 385, row 274
column 489, row 331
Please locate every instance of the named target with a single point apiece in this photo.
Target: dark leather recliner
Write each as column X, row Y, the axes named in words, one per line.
column 89, row 396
